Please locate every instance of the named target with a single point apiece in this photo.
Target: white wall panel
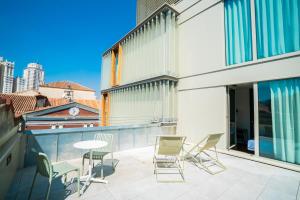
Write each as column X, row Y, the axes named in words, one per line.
column 201, row 41
column 150, row 51
column 105, row 72
column 143, row 104
column 201, row 112
column 265, row 70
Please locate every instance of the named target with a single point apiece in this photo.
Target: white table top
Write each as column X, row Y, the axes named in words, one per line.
column 90, row 144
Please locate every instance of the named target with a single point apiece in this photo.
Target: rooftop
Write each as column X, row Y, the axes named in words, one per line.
column 134, row 179
column 67, row 85
column 93, row 103
column 22, row 103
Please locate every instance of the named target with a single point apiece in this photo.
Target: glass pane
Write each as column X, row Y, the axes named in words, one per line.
column 277, row 27
column 279, row 119
column 238, row 31
column 232, row 117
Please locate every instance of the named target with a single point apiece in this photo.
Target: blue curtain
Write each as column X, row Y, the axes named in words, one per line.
column 238, row 31
column 277, row 27
column 285, row 105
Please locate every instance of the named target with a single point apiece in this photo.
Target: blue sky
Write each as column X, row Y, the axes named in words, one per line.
column 66, row 36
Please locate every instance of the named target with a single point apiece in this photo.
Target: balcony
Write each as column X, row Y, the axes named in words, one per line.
column 134, row 179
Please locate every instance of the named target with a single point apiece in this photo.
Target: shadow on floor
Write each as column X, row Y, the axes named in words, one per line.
column 21, row 185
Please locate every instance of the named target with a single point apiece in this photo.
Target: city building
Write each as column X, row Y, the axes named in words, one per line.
column 19, row 84
column 6, row 76
column 67, row 89
column 212, row 66
column 70, row 115
column 40, row 112
column 34, row 76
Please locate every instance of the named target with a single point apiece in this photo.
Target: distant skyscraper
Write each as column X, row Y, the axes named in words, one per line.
column 19, row 84
column 6, row 76
column 34, row 76
column 146, row 7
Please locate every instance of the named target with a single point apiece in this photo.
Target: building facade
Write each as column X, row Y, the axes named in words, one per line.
column 237, row 72
column 19, row 84
column 139, row 74
column 70, row 115
column 6, row 76
column 68, row 90
column 145, row 8
column 34, row 76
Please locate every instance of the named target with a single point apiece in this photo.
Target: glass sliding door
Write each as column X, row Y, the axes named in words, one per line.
column 279, row 119
column 232, row 118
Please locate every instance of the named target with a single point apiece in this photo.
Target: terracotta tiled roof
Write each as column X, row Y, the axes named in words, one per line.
column 88, row 102
column 21, row 104
column 28, row 93
column 67, row 85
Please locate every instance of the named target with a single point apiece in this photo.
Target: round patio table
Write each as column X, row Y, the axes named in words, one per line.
column 90, row 145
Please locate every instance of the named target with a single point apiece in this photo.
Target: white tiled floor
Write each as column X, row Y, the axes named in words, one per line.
column 134, row 179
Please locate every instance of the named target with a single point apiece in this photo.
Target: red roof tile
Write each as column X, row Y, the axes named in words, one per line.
column 88, row 102
column 67, row 85
column 21, row 104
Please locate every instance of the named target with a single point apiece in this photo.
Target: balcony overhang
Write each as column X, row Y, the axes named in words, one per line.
column 163, row 8
column 150, row 80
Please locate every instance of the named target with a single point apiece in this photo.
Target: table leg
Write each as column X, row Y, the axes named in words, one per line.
column 90, row 177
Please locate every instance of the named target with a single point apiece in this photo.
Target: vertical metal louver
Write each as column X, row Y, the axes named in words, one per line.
column 147, row 7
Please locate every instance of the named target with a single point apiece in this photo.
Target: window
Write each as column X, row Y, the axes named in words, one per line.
column 238, row 31
column 279, row 117
column 277, row 27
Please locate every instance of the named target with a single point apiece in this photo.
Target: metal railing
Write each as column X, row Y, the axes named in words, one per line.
column 58, row 143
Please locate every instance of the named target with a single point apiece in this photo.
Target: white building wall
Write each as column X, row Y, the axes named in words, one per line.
column 6, row 76
column 60, row 93
column 34, row 76
column 201, row 112
column 151, row 50
column 203, row 75
column 106, row 71
column 143, row 104
column 19, row 84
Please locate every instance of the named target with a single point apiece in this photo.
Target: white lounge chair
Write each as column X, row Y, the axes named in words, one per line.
column 167, row 154
column 208, row 143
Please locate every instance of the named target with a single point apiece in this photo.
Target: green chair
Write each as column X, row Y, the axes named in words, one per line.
column 100, row 153
column 53, row 171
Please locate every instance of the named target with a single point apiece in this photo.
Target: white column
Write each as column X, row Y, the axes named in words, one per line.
column 162, row 42
column 167, row 41
column 157, row 57
column 173, row 45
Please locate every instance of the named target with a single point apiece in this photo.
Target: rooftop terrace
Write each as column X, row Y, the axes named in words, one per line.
column 134, row 179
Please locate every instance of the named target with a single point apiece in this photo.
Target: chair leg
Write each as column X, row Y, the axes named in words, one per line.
column 65, row 180
column 78, row 183
column 82, row 165
column 102, row 167
column 32, row 185
column 48, row 191
column 112, row 161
